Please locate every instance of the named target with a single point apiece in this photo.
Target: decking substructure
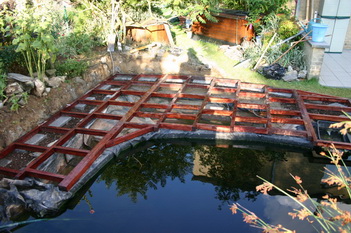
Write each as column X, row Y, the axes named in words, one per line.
column 153, row 102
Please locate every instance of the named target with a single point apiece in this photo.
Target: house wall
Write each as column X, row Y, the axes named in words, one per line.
column 348, row 38
column 302, row 17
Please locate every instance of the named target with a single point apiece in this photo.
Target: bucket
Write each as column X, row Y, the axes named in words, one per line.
column 318, row 32
column 310, row 23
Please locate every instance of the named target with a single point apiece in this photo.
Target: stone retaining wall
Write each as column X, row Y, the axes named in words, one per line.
column 314, row 55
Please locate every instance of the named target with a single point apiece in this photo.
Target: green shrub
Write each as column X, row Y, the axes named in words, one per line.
column 72, row 68
column 287, row 28
column 293, row 58
column 75, row 44
column 2, row 86
column 10, row 60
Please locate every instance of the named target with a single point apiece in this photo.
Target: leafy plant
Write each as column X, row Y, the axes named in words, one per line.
column 72, row 68
column 201, row 11
column 293, row 58
column 33, row 32
column 10, row 60
column 287, row 28
column 14, row 101
column 257, row 8
column 2, row 86
column 74, row 44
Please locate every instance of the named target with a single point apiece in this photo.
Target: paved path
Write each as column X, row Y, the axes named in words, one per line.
column 336, row 70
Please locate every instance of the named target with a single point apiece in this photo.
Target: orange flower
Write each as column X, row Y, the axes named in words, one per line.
column 345, row 218
column 264, row 188
column 250, row 218
column 302, row 197
column 233, row 208
column 302, row 214
column 293, row 215
column 298, row 179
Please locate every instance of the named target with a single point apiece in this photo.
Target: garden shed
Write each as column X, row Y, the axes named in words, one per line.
column 231, row 27
column 150, row 31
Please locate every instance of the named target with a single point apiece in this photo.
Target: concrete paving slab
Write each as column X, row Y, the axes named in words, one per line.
column 336, row 70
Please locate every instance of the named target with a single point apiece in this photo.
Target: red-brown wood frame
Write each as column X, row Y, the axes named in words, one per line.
column 248, row 108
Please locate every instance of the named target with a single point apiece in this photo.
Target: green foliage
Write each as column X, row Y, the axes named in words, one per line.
column 294, row 58
column 196, row 11
column 257, row 8
column 72, row 68
column 2, row 86
column 287, row 28
column 9, row 59
column 147, row 169
column 15, row 101
column 74, row 44
column 33, row 31
column 89, row 20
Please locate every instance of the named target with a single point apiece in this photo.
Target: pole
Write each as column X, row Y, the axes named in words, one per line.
column 265, row 50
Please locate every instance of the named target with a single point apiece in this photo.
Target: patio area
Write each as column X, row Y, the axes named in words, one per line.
column 336, row 70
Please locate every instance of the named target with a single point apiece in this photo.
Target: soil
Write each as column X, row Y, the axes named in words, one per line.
column 13, row 124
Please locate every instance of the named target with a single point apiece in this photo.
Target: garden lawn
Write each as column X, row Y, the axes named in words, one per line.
column 209, row 52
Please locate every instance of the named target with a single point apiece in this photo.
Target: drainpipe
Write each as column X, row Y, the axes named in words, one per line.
column 307, row 9
column 297, row 9
column 312, row 9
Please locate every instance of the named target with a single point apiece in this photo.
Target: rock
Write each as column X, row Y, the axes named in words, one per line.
column 51, row 72
column 117, row 70
column 19, row 77
column 1, row 105
column 47, row 90
column 22, row 102
column 302, row 74
column 149, row 70
column 234, row 52
column 224, row 47
column 28, row 86
column 246, row 43
column 103, row 60
column 13, row 89
column 79, row 80
column 291, row 75
column 39, row 88
column 55, row 82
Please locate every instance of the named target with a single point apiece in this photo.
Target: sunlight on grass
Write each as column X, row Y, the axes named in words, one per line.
column 208, row 52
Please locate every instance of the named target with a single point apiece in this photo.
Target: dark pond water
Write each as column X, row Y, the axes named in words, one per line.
column 167, row 187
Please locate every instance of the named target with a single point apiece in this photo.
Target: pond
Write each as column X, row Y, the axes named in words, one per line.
column 187, row 187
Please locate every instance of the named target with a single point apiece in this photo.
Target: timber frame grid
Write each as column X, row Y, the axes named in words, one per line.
column 191, row 101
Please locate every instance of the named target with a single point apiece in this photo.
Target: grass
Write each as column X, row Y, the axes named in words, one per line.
column 210, row 52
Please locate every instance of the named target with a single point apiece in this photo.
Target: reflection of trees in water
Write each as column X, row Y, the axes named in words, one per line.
column 233, row 171
column 143, row 170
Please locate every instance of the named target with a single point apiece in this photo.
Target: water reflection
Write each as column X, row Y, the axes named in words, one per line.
column 137, row 173
column 178, row 187
column 232, row 171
